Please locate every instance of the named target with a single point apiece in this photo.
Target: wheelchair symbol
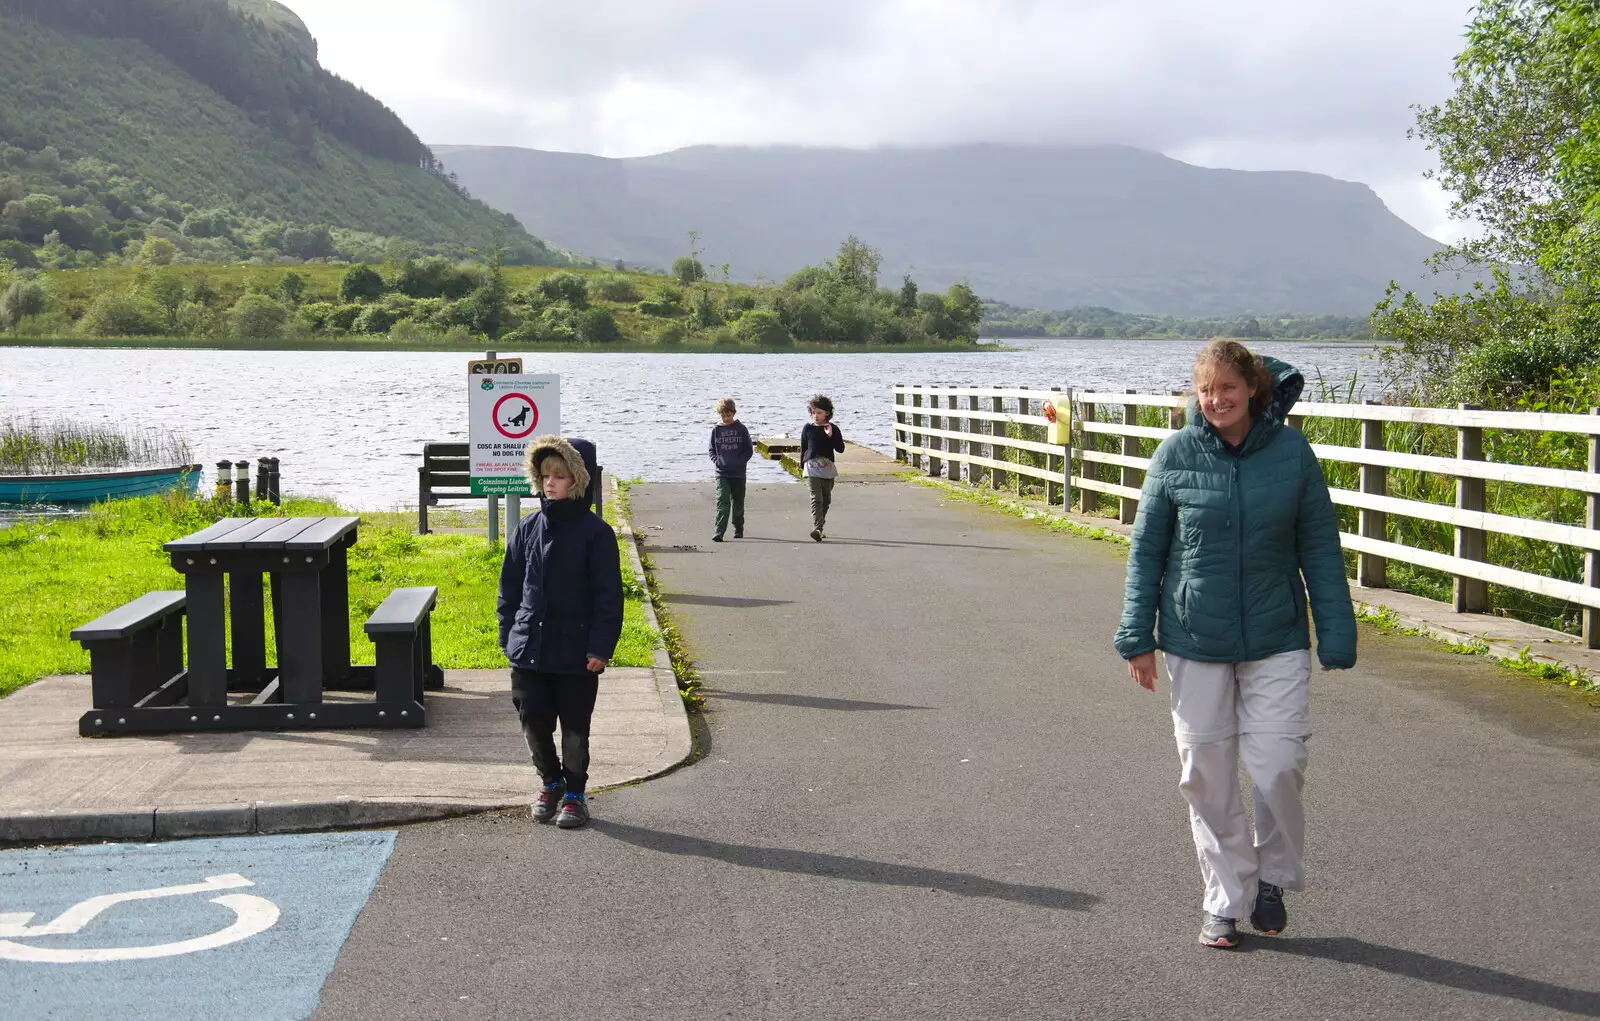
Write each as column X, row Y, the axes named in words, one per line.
column 252, row 915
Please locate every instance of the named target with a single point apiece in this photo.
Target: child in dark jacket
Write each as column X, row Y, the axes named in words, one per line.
column 819, row 441
column 560, row 613
column 730, row 452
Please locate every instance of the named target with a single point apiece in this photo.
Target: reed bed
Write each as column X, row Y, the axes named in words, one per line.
column 34, row 446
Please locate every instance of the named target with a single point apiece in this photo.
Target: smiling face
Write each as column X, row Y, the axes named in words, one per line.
column 555, row 478
column 1224, row 399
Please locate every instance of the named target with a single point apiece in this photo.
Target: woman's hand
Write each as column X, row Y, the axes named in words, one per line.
column 596, row 664
column 1142, row 668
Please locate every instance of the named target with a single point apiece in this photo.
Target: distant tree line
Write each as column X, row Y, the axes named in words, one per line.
column 264, row 70
column 1093, row 322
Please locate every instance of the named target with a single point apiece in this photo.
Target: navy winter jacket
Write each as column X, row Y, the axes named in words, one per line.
column 560, row 590
column 1226, row 545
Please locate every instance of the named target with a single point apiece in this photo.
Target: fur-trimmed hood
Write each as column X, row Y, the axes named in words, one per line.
column 569, row 454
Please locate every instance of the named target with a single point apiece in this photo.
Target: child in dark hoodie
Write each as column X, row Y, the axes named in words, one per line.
column 560, row 613
column 730, row 451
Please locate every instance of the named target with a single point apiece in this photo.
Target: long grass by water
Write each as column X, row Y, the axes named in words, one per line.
column 34, row 446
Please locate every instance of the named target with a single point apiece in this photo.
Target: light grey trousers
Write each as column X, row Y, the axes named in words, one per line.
column 1258, row 713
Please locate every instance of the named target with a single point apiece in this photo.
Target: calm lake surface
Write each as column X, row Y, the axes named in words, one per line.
column 350, row 425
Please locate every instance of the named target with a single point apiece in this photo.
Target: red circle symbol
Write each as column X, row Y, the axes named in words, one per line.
column 1050, row 411
column 528, row 416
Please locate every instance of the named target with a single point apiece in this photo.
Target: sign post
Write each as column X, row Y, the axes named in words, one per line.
column 504, row 412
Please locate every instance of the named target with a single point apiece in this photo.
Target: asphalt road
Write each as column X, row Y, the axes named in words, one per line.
column 929, row 790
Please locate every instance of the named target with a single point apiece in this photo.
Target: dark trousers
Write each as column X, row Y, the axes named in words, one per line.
column 544, row 699
column 730, row 496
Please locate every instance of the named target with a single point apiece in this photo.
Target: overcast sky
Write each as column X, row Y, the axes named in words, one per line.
column 1319, row 85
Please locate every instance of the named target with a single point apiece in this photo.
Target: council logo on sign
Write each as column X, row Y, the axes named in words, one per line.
column 487, row 384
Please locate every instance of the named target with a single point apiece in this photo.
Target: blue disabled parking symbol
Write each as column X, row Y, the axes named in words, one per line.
column 243, row 929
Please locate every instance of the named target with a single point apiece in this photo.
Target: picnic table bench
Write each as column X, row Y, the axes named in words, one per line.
column 139, row 678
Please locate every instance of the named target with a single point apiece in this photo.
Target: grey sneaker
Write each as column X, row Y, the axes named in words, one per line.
column 549, row 799
column 574, row 812
column 1217, row 931
column 1269, row 916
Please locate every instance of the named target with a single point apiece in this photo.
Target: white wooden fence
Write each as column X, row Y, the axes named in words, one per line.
column 948, row 427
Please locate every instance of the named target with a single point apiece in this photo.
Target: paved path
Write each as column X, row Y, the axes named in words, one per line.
column 55, row 785
column 930, row 790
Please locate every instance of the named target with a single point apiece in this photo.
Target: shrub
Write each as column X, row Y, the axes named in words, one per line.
column 737, row 303
column 724, row 337
column 375, row 319
column 686, row 269
column 567, row 287
column 316, row 314
column 600, row 327
column 614, row 287
column 22, row 298
column 409, row 331
column 361, row 283
column 157, row 252
column 762, row 328
column 665, row 302
column 115, row 314
column 559, row 324
column 19, row 253
column 705, row 311
column 258, row 317
column 437, row 277
column 343, row 318
column 670, row 335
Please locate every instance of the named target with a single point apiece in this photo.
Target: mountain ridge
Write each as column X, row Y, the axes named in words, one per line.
column 1038, row 226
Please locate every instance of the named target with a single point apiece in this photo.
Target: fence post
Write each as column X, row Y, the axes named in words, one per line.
column 914, row 437
column 1066, row 454
column 935, row 464
column 1089, row 500
column 1023, row 410
column 1371, row 569
column 1127, row 507
column 899, row 420
column 1179, row 416
column 1471, row 595
column 974, row 447
column 954, row 445
column 1591, row 558
column 997, row 478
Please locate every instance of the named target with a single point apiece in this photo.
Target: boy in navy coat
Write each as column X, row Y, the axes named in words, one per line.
column 560, row 613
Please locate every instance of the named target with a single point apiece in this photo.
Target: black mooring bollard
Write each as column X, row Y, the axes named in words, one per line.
column 224, row 481
column 261, row 478
column 274, row 486
column 241, row 480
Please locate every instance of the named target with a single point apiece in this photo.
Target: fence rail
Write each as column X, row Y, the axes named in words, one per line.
column 999, row 435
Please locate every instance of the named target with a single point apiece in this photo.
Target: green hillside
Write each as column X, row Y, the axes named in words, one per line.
column 249, row 149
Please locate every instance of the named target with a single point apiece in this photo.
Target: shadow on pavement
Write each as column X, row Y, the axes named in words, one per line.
column 834, row 866
column 847, row 705
column 1427, row 968
column 735, row 602
column 884, row 543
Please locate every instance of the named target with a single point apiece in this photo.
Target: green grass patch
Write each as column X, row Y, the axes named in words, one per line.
column 57, row 575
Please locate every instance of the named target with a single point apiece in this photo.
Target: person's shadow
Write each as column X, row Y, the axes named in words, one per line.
column 1427, row 968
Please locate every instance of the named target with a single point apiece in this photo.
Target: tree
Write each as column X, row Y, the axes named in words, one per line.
column 1519, row 142
column 157, row 251
column 564, row 287
column 165, row 291
column 258, row 317
column 762, row 328
column 23, row 298
column 907, row 303
column 291, row 286
column 361, row 283
column 855, row 266
column 686, row 269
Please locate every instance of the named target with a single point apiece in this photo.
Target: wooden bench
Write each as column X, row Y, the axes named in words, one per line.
column 446, row 474
column 136, row 652
column 401, row 630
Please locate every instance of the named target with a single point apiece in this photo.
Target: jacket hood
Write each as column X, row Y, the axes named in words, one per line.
column 543, row 444
column 1287, row 384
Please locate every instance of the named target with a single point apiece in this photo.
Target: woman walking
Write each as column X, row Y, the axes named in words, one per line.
column 819, row 441
column 1234, row 527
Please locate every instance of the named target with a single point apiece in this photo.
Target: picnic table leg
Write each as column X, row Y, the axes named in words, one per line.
column 300, row 637
column 335, row 585
column 208, row 632
column 249, row 630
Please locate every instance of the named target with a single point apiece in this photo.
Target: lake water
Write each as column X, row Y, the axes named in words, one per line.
column 350, row 425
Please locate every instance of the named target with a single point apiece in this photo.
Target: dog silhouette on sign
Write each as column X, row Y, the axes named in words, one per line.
column 520, row 419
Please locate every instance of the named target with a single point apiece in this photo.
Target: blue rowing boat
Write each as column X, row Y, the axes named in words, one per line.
column 93, row 487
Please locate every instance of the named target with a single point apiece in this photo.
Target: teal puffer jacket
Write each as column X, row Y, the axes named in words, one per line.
column 1225, row 546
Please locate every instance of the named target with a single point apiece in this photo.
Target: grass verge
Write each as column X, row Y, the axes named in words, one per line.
column 57, row 575
column 683, row 668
